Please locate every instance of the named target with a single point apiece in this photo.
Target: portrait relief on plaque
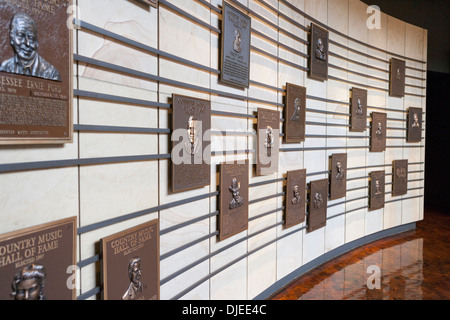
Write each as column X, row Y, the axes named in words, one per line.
column 318, row 53
column 34, row 262
column 131, row 263
column 397, row 78
column 399, row 177
column 268, row 136
column 36, row 63
column 376, row 190
column 235, row 47
column 233, row 216
column 338, row 176
column 414, row 130
column 295, row 197
column 358, row 113
column 191, row 139
column 318, row 202
column 378, row 132
column 295, row 114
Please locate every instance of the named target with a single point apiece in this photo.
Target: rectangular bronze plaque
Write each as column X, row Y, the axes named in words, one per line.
column 318, row 53
column 191, row 139
column 378, row 132
column 397, row 78
column 34, row 262
column 414, row 131
column 318, row 201
column 268, row 129
column 295, row 197
column 131, row 263
column 235, row 47
column 358, row 112
column 233, row 217
column 295, row 114
column 153, row 3
column 399, row 177
column 338, row 176
column 36, row 63
column 376, row 190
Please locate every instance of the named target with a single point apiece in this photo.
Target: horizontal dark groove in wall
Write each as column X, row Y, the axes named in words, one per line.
column 117, row 129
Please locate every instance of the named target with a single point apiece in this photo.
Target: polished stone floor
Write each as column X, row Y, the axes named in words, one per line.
column 414, row 265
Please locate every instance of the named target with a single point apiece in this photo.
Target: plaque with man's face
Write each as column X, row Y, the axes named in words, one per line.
column 318, row 53
column 295, row 197
column 35, row 72
column 378, row 132
column 414, row 130
column 318, row 202
column 397, row 78
column 399, row 177
column 268, row 133
column 376, row 190
column 358, row 116
column 295, row 114
column 338, row 176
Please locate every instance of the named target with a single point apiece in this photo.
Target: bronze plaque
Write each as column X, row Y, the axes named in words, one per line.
column 268, row 129
column 399, row 177
column 233, row 217
column 191, row 142
column 414, row 131
column 358, row 112
column 38, row 263
column 153, row 3
column 318, row 201
column 318, row 53
column 295, row 197
column 295, row 114
column 131, row 263
column 376, row 190
column 397, row 78
column 338, row 176
column 378, row 132
column 36, row 63
column 235, row 47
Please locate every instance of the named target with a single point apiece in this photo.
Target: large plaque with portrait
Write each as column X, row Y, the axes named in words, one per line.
column 414, row 131
column 397, row 78
column 35, row 72
column 295, row 197
column 378, row 132
column 39, row 263
column 295, row 114
column 268, row 131
column 358, row 110
column 235, row 47
column 191, row 154
column 399, row 177
column 234, row 180
column 131, row 263
column 318, row 53
column 338, row 176
column 318, row 202
column 376, row 190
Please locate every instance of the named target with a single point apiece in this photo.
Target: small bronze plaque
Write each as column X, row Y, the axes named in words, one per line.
column 153, row 3
column 397, row 78
column 414, row 131
column 318, row 201
column 378, row 132
column 36, row 66
column 338, row 176
column 358, row 113
column 131, row 263
column 399, row 177
column 318, row 53
column 268, row 129
column 295, row 114
column 235, row 49
column 376, row 190
column 191, row 154
column 295, row 197
column 34, row 262
column 234, row 194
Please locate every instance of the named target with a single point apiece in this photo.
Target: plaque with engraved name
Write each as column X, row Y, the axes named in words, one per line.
column 399, row 177
column 358, row 116
column 191, row 156
column 338, row 176
column 153, row 3
column 397, row 78
column 376, row 190
column 233, row 217
column 295, row 114
column 268, row 130
column 318, row 53
column 235, row 47
column 295, row 197
column 131, row 263
column 36, row 63
column 318, row 201
column 36, row 262
column 414, row 131
column 378, row 132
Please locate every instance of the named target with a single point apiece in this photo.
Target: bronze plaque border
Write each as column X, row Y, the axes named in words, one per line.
column 358, row 122
column 295, row 212
column 317, row 217
column 414, row 134
column 338, row 187
column 318, row 69
column 267, row 117
column 378, row 144
column 397, row 85
column 294, row 131
column 399, row 183
column 377, row 201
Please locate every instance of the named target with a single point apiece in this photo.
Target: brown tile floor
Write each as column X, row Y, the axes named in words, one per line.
column 414, row 265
